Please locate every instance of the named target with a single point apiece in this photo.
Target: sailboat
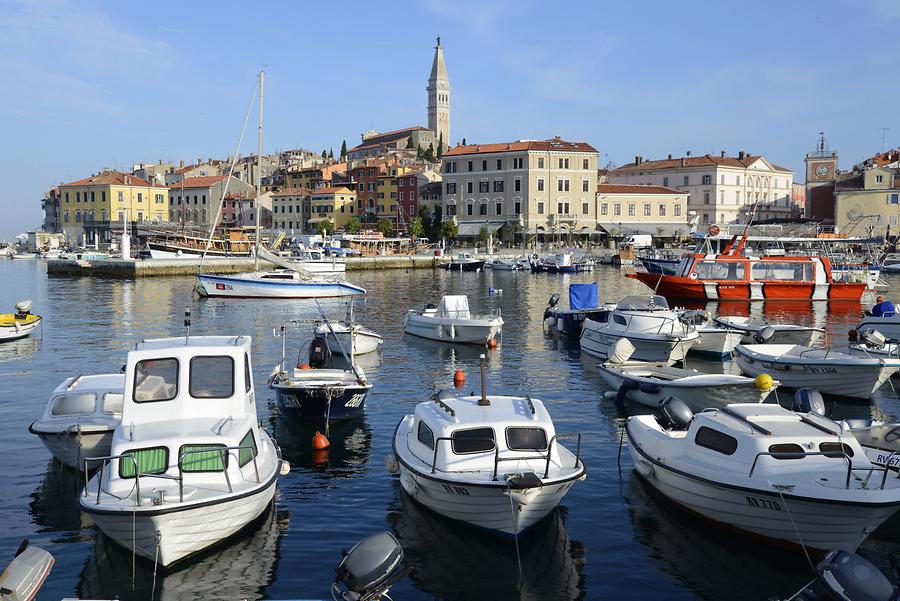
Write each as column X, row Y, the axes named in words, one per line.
column 290, row 281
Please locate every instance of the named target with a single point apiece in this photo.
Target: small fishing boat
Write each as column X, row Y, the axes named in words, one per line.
column 495, row 462
column 356, row 338
column 648, row 383
column 451, row 321
column 463, row 262
column 830, row 370
column 316, row 262
column 765, row 470
column 80, row 418
column 507, row 264
column 655, row 331
column 715, row 341
column 889, row 325
column 558, row 263
column 751, row 329
column 659, row 265
column 189, row 465
column 278, row 283
column 584, row 303
column 19, row 324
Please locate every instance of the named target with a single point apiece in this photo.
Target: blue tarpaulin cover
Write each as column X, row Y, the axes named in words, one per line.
column 583, row 296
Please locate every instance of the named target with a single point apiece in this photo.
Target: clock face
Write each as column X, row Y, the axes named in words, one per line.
column 822, row 170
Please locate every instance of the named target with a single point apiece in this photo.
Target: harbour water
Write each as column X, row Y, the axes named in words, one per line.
column 611, row 538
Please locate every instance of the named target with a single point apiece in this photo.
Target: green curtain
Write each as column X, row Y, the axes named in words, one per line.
column 245, row 456
column 209, row 460
column 150, row 461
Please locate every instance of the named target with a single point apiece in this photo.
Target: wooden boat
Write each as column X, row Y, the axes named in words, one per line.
column 178, row 246
column 734, row 276
column 18, row 324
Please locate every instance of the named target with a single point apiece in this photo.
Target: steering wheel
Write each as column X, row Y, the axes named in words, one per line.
column 892, row 435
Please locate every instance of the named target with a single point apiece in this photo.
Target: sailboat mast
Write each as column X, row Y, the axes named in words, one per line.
column 262, row 77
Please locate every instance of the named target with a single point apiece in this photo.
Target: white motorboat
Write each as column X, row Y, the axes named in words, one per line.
column 354, row 338
column 887, row 325
column 715, row 341
column 648, row 383
column 775, row 333
column 463, row 262
column 765, row 470
column 830, row 370
column 80, row 418
column 278, row 283
column 316, row 262
column 451, row 321
column 19, row 324
column 492, row 461
column 189, row 465
column 517, row 264
column 655, row 331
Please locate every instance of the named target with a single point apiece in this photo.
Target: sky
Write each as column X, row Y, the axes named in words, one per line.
column 88, row 85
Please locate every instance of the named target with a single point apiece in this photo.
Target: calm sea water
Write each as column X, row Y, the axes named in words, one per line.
column 611, row 538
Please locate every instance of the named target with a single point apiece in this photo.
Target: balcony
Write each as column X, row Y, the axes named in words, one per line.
column 564, row 218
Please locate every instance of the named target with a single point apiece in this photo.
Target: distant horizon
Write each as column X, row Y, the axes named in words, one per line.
column 94, row 85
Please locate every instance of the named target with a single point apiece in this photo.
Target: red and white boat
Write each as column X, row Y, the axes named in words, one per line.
column 731, row 275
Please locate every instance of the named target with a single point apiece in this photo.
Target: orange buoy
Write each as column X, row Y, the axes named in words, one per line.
column 304, row 366
column 320, row 457
column 459, row 378
column 492, row 343
column 319, row 442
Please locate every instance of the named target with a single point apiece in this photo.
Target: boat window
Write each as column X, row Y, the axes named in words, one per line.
column 277, row 276
column 720, row 270
column 245, row 456
column 526, row 439
column 112, row 402
column 425, row 435
column 248, row 381
column 154, row 460
column 784, row 272
column 837, row 448
column 212, row 377
column 476, row 440
column 786, row 450
column 600, row 316
column 619, row 319
column 715, row 440
column 155, row 380
column 82, row 403
column 202, row 457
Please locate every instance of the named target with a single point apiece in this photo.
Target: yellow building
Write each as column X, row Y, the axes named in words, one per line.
column 386, row 187
column 311, row 178
column 333, row 204
column 109, row 196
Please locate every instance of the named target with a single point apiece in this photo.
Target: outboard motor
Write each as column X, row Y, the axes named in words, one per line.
column 694, row 317
column 550, row 313
column 621, row 351
column 845, row 576
column 808, row 400
column 764, row 335
column 369, row 569
column 23, row 309
column 673, row 414
column 873, row 338
column 319, row 353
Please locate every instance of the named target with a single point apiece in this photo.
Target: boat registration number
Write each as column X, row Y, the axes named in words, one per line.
column 763, row 503
column 822, row 370
column 355, row 401
column 224, row 287
column 882, row 459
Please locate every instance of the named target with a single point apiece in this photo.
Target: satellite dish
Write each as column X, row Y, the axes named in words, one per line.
column 854, row 215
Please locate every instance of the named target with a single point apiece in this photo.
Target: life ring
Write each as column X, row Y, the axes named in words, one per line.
column 693, row 276
column 714, row 230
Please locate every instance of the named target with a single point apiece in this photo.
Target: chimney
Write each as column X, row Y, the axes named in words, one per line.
column 638, row 159
column 127, row 180
column 688, row 153
column 683, row 161
column 181, row 163
column 741, row 155
column 160, row 161
column 722, row 154
column 670, row 156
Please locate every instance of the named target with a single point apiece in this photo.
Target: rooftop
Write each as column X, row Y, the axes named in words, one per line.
column 554, row 144
column 331, row 190
column 113, row 178
column 205, row 181
column 635, row 189
column 743, row 160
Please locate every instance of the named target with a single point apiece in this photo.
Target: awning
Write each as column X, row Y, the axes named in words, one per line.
column 316, row 219
column 665, row 230
column 473, row 229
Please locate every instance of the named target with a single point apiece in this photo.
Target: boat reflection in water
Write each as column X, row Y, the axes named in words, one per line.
column 452, row 561
column 347, row 455
column 242, row 569
column 20, row 349
column 713, row 562
column 54, row 504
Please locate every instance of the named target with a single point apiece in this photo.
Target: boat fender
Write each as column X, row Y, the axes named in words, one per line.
column 391, row 463
column 649, row 387
column 763, row 382
column 622, row 394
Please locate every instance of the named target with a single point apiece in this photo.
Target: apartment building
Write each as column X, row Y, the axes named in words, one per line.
column 194, row 200
column 290, row 209
column 531, row 186
column 722, row 189
column 626, row 209
column 335, row 204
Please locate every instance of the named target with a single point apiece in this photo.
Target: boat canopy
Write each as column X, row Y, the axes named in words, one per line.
column 653, row 302
column 454, row 306
column 583, row 296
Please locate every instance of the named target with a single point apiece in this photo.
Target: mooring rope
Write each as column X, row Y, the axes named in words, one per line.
column 155, row 565
column 512, row 510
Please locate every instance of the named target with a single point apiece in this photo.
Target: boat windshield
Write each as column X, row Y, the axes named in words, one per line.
column 643, row 303
column 784, row 271
column 720, row 270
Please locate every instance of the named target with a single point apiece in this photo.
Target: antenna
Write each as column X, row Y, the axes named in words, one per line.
column 884, row 131
column 483, row 401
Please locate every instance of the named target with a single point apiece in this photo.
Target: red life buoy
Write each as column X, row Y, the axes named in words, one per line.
column 714, row 230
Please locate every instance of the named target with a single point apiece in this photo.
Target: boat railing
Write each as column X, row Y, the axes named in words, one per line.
column 830, row 454
column 671, row 321
column 223, row 452
column 818, row 348
column 556, row 438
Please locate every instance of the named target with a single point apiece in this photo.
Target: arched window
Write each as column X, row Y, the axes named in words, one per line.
column 77, row 217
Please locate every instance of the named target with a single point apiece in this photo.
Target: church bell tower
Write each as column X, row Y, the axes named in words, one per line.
column 439, row 97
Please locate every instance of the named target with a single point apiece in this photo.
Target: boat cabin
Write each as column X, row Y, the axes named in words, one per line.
column 184, row 398
column 84, row 400
column 728, row 268
column 457, row 434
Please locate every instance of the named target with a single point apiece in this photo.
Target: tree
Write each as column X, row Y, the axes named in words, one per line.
column 409, row 142
column 354, row 225
column 385, row 226
column 449, row 229
column 483, row 234
column 435, row 231
column 440, row 150
column 343, row 150
column 419, row 152
column 331, row 153
column 324, row 227
column 464, row 142
column 324, row 154
column 416, row 228
column 429, row 154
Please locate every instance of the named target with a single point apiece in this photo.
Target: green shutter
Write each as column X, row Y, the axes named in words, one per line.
column 208, row 460
column 149, row 461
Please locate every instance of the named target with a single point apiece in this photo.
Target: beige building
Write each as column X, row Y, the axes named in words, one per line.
column 290, row 209
column 529, row 186
column 194, row 200
column 332, row 204
column 722, row 189
column 626, row 209
column 868, row 204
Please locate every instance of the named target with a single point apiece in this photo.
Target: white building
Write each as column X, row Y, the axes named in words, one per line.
column 721, row 189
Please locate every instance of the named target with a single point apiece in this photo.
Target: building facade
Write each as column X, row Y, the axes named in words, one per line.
column 336, row 205
column 50, row 209
column 722, row 189
column 290, row 210
column 194, row 200
column 868, row 203
column 530, row 186
column 626, row 209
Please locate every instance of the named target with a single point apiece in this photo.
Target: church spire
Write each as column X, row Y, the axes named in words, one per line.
column 438, row 68
column 439, row 96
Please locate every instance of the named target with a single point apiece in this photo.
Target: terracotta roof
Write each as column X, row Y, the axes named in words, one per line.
column 197, row 182
column 701, row 161
column 291, row 192
column 115, row 178
column 332, row 190
column 887, row 157
column 555, row 144
column 635, row 189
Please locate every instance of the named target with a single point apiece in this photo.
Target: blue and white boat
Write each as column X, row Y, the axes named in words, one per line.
column 279, row 283
column 584, row 303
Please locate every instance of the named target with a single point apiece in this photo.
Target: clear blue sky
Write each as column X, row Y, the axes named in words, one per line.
column 90, row 85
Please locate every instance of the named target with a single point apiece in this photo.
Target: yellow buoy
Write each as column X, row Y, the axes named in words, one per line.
column 764, row 381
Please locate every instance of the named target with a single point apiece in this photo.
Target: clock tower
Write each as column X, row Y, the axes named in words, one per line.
column 821, row 174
